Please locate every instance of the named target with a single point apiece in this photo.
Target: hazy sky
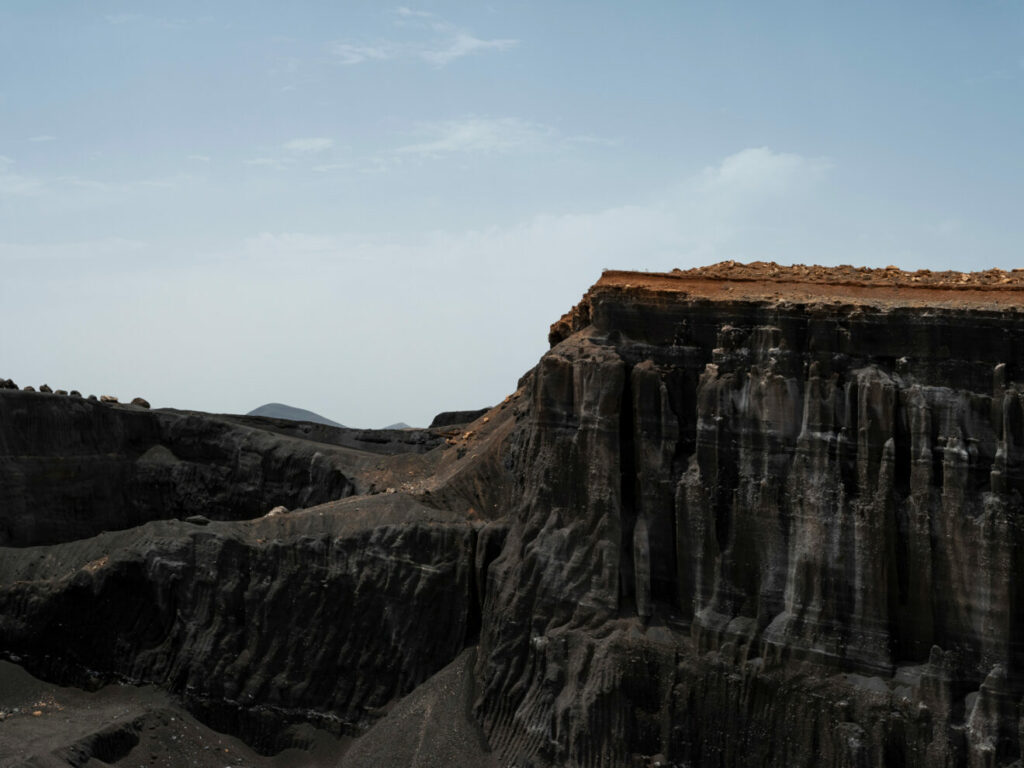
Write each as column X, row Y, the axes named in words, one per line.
column 375, row 212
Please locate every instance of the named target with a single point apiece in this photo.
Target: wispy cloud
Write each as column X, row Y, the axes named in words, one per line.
column 110, row 247
column 73, row 188
column 329, row 167
column 749, row 204
column 309, row 145
column 141, row 18
column 277, row 163
column 441, row 42
column 41, row 139
column 15, row 184
column 291, row 152
column 409, row 13
column 357, row 53
column 478, row 134
column 199, row 158
column 760, row 170
column 463, row 44
column 122, row 18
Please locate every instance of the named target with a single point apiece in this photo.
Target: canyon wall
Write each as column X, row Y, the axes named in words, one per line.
column 743, row 516
column 764, row 531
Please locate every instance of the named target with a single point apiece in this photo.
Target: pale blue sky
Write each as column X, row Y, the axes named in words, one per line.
column 375, row 211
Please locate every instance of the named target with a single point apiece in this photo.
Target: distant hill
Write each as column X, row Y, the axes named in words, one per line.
column 281, row 411
column 398, row 425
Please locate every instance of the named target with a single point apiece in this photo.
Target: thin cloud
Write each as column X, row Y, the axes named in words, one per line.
column 41, row 139
column 329, row 167
column 463, row 45
column 15, row 184
column 445, row 42
column 123, row 18
column 353, row 53
column 763, row 171
column 267, row 162
column 409, row 13
column 479, row 135
column 309, row 145
column 71, row 251
column 118, row 19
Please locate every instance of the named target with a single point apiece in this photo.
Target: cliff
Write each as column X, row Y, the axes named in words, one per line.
column 744, row 515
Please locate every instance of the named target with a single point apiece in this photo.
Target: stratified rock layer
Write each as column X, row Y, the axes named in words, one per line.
column 764, row 526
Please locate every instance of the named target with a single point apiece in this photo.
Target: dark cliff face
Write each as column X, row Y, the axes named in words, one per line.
column 71, row 468
column 721, row 523
column 764, row 533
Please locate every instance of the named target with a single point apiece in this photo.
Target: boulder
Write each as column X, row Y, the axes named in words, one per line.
column 108, row 399
column 142, row 403
column 46, row 388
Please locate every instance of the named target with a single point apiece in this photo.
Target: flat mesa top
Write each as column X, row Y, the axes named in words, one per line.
column 767, row 281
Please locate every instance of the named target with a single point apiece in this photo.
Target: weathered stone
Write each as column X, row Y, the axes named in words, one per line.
column 45, row 388
column 140, row 402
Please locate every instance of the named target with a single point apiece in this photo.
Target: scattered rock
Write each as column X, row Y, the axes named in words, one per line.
column 29, row 388
column 60, row 392
column 198, row 520
column 108, row 399
column 46, row 388
column 75, row 393
column 7, row 384
column 277, row 511
column 141, row 402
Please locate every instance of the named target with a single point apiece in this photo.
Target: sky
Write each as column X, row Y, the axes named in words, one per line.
column 376, row 211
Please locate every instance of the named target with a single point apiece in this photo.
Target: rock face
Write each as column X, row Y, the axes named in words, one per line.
column 740, row 516
column 71, row 468
column 764, row 531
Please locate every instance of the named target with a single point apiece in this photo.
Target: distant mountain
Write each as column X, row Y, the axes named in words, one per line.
column 281, row 411
column 398, row 425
